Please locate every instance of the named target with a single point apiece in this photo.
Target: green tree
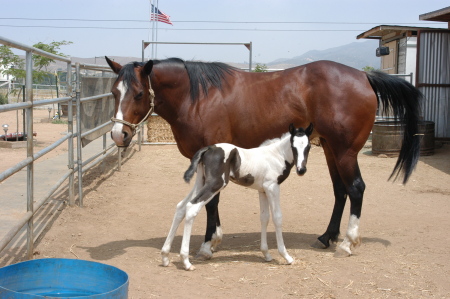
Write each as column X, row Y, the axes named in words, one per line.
column 368, row 68
column 41, row 63
column 260, row 68
column 14, row 65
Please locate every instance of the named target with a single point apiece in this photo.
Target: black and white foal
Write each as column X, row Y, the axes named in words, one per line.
column 263, row 168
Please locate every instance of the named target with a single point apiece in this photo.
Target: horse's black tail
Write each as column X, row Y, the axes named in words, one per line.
column 194, row 163
column 404, row 100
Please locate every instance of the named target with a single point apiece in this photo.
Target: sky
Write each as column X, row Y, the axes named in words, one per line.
column 277, row 28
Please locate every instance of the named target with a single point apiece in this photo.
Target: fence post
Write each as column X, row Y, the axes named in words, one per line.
column 79, row 152
column 70, row 131
column 30, row 150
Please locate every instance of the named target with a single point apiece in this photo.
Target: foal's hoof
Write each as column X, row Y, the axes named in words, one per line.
column 319, row 245
column 341, row 253
column 191, row 268
column 290, row 261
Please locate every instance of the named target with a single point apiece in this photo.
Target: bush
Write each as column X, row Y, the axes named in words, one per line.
column 3, row 99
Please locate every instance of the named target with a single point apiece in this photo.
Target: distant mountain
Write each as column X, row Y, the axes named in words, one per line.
column 357, row 55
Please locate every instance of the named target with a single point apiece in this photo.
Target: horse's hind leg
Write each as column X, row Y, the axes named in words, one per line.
column 340, row 195
column 264, row 217
column 213, row 236
column 355, row 189
column 347, row 180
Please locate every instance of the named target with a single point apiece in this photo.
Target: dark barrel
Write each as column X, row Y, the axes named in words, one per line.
column 387, row 138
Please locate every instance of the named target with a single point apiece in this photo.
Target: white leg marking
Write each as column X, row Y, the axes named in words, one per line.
column 216, row 238
column 352, row 237
column 205, row 251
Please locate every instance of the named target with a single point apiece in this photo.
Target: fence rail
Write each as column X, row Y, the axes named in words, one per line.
column 75, row 166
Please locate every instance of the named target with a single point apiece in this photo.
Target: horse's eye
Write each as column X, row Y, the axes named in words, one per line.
column 139, row 96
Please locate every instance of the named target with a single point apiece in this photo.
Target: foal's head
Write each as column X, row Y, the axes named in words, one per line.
column 133, row 99
column 300, row 146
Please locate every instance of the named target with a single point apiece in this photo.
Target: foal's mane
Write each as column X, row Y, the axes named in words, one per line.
column 201, row 74
column 274, row 140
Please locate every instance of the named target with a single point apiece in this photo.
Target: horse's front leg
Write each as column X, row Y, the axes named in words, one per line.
column 264, row 216
column 213, row 235
column 273, row 195
column 340, row 195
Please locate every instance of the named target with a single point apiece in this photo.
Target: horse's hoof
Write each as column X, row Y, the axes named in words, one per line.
column 202, row 256
column 319, row 245
column 268, row 258
column 341, row 253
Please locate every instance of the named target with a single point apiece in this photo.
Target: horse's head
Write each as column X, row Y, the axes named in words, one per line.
column 133, row 99
column 300, row 146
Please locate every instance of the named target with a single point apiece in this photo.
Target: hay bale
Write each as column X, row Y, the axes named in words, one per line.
column 158, row 130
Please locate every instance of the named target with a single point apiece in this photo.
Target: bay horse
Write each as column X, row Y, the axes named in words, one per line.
column 208, row 103
column 263, row 168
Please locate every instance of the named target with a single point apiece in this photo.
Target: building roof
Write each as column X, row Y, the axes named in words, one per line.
column 441, row 15
column 390, row 31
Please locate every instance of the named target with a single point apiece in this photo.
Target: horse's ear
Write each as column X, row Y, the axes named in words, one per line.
column 113, row 65
column 148, row 67
column 309, row 129
column 291, row 129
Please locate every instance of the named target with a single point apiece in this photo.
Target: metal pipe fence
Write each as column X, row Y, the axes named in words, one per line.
column 75, row 166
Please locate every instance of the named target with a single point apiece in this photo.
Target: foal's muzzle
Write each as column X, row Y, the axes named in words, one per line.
column 301, row 171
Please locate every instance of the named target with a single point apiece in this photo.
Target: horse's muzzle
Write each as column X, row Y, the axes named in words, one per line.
column 301, row 171
column 121, row 139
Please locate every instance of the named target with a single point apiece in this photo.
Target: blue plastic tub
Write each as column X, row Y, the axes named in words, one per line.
column 62, row 278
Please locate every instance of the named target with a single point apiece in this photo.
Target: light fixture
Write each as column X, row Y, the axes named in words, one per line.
column 5, row 128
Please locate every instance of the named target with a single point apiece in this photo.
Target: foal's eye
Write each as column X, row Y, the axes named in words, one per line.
column 139, row 96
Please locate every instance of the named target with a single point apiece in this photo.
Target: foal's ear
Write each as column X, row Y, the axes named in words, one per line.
column 309, row 129
column 113, row 65
column 291, row 129
column 148, row 67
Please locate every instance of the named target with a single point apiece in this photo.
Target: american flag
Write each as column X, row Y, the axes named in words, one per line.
column 159, row 16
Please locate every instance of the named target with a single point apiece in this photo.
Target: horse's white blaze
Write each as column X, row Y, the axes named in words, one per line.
column 300, row 143
column 117, row 128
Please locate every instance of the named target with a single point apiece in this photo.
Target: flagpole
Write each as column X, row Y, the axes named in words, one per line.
column 153, row 29
column 156, row 45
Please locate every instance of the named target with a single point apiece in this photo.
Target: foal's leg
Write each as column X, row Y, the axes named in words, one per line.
column 273, row 196
column 179, row 216
column 264, row 216
column 192, row 210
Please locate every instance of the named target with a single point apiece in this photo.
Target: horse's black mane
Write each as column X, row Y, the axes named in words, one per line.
column 201, row 74
column 127, row 72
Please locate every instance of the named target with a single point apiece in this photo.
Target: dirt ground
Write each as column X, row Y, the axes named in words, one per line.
column 127, row 214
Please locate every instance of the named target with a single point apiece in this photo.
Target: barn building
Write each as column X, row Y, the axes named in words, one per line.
column 423, row 54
